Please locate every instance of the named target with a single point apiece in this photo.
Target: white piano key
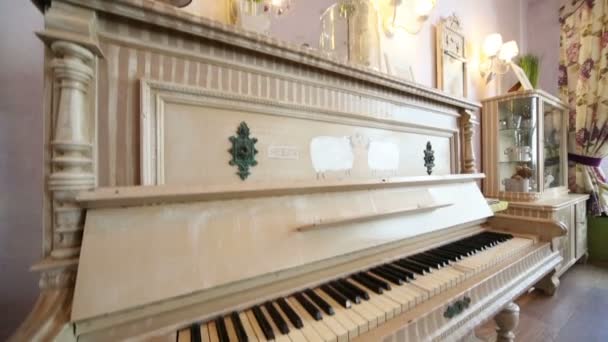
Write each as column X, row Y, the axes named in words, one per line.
column 339, row 316
column 332, row 323
column 278, row 336
column 204, row 333
column 251, row 335
column 352, row 318
column 212, row 332
column 184, row 335
column 295, row 335
column 307, row 330
column 319, row 326
column 370, row 309
column 255, row 326
column 230, row 329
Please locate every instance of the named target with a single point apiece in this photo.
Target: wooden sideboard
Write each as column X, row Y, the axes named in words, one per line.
column 571, row 211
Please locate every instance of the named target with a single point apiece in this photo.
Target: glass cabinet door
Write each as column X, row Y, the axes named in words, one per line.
column 518, row 145
column 553, row 121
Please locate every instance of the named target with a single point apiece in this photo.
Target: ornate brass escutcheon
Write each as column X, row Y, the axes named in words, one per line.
column 457, row 307
column 429, row 158
column 243, row 151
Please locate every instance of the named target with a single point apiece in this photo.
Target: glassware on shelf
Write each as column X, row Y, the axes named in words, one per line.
column 350, row 32
column 252, row 15
column 517, row 140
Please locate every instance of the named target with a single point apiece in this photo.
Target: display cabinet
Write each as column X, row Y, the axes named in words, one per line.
column 524, row 147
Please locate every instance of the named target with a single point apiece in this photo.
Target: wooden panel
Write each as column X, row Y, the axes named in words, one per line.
column 177, row 249
column 133, row 52
column 581, row 229
column 294, row 143
column 566, row 243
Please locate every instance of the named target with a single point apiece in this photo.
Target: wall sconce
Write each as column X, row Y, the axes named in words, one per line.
column 278, row 7
column 407, row 15
column 499, row 56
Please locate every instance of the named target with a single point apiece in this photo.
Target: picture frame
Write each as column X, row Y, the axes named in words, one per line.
column 404, row 72
column 452, row 70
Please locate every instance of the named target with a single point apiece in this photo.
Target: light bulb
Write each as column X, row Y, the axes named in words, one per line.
column 492, row 44
column 508, row 51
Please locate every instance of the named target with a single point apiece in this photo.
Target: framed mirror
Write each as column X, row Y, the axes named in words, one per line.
column 451, row 57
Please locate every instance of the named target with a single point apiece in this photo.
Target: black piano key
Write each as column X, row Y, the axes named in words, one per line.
column 362, row 293
column 239, row 329
column 346, row 292
column 290, row 313
column 195, row 332
column 404, row 274
column 380, row 282
column 320, row 302
column 447, row 252
column 441, row 260
column 443, row 254
column 468, row 245
column 458, row 250
column 309, row 307
column 222, row 333
column 263, row 323
column 377, row 288
column 419, row 269
column 426, row 262
column 337, row 296
column 385, row 275
column 433, row 261
column 277, row 318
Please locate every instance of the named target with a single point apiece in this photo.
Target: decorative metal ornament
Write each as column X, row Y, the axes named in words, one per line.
column 457, row 308
column 243, row 151
column 429, row 158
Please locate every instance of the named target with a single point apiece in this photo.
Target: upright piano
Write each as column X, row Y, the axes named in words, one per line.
column 210, row 184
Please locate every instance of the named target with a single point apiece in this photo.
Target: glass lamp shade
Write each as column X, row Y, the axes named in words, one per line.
column 408, row 15
column 492, row 44
column 508, row 51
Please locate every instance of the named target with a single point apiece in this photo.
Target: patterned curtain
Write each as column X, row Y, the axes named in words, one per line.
column 583, row 85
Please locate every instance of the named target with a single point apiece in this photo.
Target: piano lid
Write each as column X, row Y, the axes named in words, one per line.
column 142, row 254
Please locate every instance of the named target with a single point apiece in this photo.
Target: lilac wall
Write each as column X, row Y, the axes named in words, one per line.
column 479, row 18
column 21, row 59
column 542, row 18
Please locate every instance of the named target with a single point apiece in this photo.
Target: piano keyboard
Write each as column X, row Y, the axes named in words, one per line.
column 344, row 308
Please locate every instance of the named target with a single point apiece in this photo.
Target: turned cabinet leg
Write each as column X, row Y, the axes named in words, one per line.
column 548, row 284
column 507, row 321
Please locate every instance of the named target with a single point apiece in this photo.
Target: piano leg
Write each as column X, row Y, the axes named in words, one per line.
column 548, row 284
column 507, row 321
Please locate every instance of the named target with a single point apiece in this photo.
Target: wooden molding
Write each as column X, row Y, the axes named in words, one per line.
column 546, row 229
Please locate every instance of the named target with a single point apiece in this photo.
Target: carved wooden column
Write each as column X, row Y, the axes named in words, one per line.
column 507, row 321
column 468, row 152
column 71, row 146
column 72, row 49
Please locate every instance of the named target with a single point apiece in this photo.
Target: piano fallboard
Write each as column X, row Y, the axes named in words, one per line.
column 177, row 250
